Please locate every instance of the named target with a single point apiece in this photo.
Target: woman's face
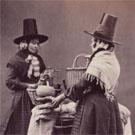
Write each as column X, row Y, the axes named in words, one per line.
column 97, row 44
column 33, row 46
column 93, row 44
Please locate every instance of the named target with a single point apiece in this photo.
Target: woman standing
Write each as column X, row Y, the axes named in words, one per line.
column 24, row 70
column 97, row 112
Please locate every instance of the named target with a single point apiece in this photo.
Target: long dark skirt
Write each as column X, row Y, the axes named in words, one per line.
column 19, row 119
column 97, row 116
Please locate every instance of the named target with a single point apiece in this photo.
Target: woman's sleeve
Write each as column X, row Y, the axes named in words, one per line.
column 76, row 91
column 12, row 80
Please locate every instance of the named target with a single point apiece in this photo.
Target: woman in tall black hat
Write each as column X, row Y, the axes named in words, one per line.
column 97, row 112
column 24, row 70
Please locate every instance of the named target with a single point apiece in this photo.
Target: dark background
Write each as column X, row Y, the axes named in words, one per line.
column 64, row 22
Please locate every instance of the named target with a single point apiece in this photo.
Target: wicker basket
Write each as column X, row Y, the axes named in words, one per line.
column 74, row 74
column 63, row 125
column 32, row 92
column 33, row 95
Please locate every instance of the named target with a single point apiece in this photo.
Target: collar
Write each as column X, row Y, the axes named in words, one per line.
column 99, row 50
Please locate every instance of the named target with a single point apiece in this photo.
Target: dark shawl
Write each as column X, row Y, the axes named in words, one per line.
column 17, row 121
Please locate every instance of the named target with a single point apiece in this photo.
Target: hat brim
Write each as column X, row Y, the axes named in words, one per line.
column 92, row 34
column 41, row 38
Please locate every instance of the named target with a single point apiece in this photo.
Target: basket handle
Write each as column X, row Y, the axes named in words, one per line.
column 76, row 59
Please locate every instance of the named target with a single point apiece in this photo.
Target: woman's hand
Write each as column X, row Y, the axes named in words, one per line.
column 45, row 99
column 56, row 101
column 42, row 111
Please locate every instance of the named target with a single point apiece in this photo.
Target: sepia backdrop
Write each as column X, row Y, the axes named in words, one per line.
column 64, row 22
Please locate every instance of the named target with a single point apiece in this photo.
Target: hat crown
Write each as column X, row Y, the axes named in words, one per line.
column 30, row 32
column 108, row 20
column 106, row 27
column 29, row 27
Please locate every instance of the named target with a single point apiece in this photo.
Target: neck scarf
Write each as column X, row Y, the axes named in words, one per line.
column 34, row 68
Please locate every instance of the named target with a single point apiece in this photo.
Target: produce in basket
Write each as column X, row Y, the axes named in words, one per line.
column 45, row 86
column 45, row 90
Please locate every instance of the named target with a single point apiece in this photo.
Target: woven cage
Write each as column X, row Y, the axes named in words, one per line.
column 33, row 95
column 64, row 124
column 74, row 74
